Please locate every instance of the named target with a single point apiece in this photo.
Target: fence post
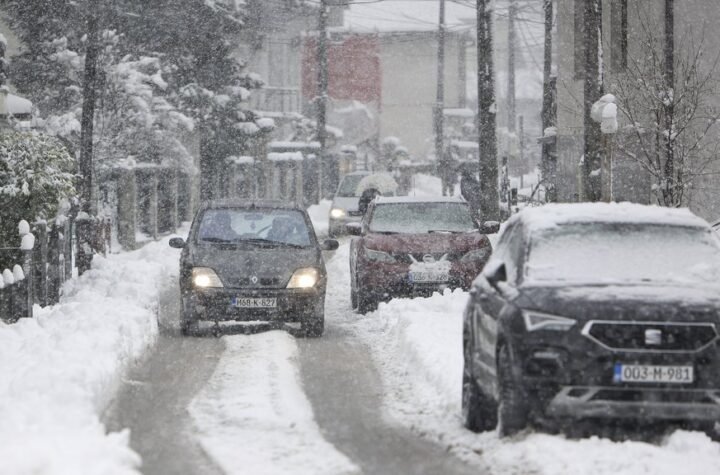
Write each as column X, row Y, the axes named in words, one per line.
column 40, row 274
column 26, row 246
column 54, row 272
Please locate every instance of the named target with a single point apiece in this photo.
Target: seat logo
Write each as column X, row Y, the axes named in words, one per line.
column 428, row 259
column 254, row 279
column 653, row 337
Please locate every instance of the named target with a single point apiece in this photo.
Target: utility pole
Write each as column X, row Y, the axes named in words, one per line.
column 592, row 92
column 512, row 40
column 87, row 205
column 322, row 93
column 548, row 165
column 88, row 109
column 487, row 141
column 438, row 119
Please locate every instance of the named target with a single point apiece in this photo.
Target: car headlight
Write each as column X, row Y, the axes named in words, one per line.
column 304, row 278
column 337, row 213
column 476, row 255
column 542, row 321
column 379, row 256
column 205, row 277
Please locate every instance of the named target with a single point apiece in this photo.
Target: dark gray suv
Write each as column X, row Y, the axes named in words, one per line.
column 248, row 261
column 595, row 311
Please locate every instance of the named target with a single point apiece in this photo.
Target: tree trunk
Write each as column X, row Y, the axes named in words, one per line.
column 592, row 92
column 671, row 192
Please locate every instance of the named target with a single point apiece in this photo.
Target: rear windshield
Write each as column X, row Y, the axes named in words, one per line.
column 348, row 186
column 420, row 218
column 624, row 253
column 264, row 226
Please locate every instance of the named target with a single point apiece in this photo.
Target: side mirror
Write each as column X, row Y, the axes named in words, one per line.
column 177, row 243
column 495, row 273
column 354, row 229
column 490, row 227
column 329, row 245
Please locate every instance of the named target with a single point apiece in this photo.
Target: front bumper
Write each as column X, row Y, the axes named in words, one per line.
column 630, row 403
column 387, row 281
column 570, row 376
column 336, row 226
column 293, row 305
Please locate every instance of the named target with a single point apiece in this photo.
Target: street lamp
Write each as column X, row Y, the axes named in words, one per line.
column 604, row 112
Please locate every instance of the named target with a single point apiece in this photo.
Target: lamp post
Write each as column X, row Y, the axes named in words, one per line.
column 604, row 112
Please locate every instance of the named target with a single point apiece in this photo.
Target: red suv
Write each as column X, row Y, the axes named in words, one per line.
column 411, row 246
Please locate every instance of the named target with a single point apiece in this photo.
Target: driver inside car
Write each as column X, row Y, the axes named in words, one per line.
column 220, row 227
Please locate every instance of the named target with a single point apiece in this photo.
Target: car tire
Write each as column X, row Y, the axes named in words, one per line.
column 353, row 298
column 479, row 412
column 365, row 301
column 188, row 321
column 313, row 325
column 512, row 413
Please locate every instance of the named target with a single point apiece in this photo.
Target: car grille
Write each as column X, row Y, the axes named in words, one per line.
column 407, row 258
column 651, row 336
column 261, row 282
column 354, row 213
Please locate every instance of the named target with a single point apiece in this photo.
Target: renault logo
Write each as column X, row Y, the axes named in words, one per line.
column 254, row 279
column 428, row 258
column 653, row 337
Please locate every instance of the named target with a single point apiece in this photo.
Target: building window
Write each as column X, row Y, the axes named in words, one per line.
column 619, row 35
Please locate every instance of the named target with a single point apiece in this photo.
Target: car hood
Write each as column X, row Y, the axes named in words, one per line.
column 664, row 302
column 348, row 203
column 430, row 243
column 272, row 267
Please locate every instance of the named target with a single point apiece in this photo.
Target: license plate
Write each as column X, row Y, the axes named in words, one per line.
column 625, row 373
column 420, row 277
column 249, row 302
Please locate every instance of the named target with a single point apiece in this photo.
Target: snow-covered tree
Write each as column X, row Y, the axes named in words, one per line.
column 672, row 132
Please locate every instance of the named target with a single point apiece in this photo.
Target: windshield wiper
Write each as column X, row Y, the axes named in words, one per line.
column 269, row 243
column 215, row 239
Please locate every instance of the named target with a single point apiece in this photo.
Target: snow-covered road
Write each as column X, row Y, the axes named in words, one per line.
column 376, row 394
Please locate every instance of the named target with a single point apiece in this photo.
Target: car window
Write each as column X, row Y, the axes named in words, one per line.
column 348, row 186
column 244, row 225
column 419, row 218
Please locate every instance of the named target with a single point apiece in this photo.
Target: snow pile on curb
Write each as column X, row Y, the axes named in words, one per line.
column 59, row 371
column 319, row 215
column 417, row 344
column 254, row 417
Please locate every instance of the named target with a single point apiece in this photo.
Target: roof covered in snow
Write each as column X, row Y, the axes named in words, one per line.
column 406, row 16
column 552, row 215
column 16, row 105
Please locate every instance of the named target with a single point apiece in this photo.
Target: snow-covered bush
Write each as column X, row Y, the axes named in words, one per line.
column 36, row 174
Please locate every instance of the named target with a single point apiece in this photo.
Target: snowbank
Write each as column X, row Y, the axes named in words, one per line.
column 319, row 215
column 254, row 417
column 59, row 371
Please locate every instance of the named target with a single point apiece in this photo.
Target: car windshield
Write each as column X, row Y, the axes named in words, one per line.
column 420, row 218
column 254, row 226
column 348, row 186
column 624, row 253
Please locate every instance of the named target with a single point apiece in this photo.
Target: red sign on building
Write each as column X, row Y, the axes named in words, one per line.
column 353, row 69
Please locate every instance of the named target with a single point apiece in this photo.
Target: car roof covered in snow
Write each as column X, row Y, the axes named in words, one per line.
column 244, row 203
column 418, row 199
column 552, row 215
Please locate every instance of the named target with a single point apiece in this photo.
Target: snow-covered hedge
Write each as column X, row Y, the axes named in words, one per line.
column 36, row 174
